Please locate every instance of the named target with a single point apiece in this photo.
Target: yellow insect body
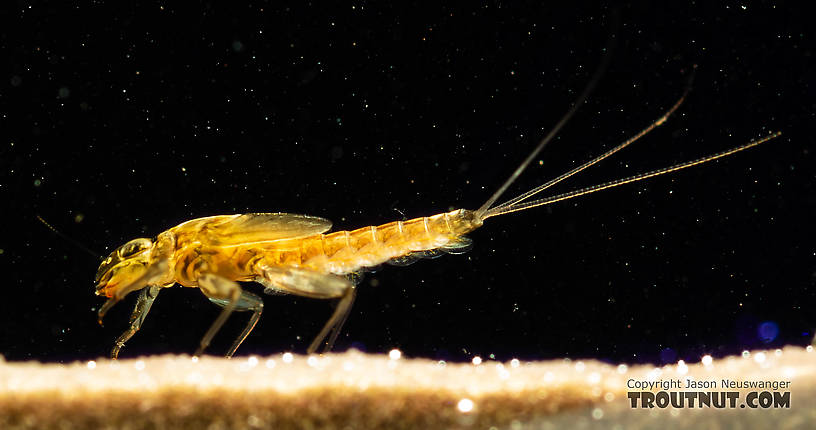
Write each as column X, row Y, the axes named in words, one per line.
column 345, row 252
column 286, row 253
column 228, row 247
column 289, row 253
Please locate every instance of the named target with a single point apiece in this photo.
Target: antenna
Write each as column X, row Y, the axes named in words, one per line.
column 69, row 239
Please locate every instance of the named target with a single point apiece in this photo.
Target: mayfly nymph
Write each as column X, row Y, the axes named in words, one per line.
column 294, row 254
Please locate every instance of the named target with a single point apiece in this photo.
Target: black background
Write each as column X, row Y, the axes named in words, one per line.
column 122, row 121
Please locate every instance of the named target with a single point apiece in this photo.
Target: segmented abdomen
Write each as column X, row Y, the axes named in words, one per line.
column 344, row 252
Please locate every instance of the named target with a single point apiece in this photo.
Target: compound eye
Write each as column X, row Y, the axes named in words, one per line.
column 132, row 248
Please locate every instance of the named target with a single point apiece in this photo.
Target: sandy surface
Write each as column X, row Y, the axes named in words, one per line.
column 363, row 391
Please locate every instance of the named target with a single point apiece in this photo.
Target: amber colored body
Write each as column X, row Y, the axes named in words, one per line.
column 293, row 254
column 286, row 253
column 338, row 253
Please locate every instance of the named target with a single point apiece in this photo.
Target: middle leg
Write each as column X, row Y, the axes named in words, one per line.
column 247, row 302
column 216, row 287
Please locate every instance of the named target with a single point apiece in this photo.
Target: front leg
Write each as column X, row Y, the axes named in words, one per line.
column 152, row 275
column 224, row 290
column 143, row 304
column 158, row 272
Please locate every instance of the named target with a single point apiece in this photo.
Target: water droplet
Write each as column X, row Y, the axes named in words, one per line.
column 465, row 405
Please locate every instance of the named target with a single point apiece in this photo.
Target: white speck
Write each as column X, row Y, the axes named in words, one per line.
column 746, row 354
column 622, row 368
column 476, row 360
column 441, row 363
column 91, row 364
column 270, row 363
column 597, row 413
column 580, row 366
column 778, row 353
column 514, row 363
column 759, row 357
column 465, row 405
column 195, row 359
column 707, row 360
column 252, row 361
column 288, row 357
column 139, row 365
column 395, row 354
column 311, row 361
column 681, row 367
column 809, row 348
column 594, row 378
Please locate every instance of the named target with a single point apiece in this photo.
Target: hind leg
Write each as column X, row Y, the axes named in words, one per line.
column 335, row 323
column 314, row 284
